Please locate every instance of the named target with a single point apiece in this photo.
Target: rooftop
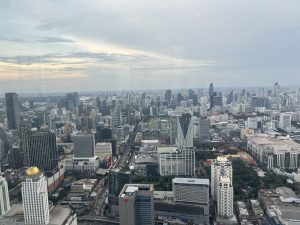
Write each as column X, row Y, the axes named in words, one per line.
column 197, row 181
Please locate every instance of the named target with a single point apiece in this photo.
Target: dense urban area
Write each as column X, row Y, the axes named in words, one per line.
column 194, row 156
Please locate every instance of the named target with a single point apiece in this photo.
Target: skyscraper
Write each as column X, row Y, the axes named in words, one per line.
column 12, row 111
column 221, row 187
column 185, row 131
column 4, row 197
column 220, row 167
column 72, row 100
column 203, row 130
column 136, row 204
column 35, row 197
column 210, row 95
column 117, row 178
column 116, row 118
column 285, row 121
column 116, row 113
column 84, row 145
column 39, row 148
column 168, row 96
column 225, row 197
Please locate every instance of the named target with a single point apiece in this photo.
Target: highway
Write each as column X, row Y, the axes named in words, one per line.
column 97, row 213
column 97, row 219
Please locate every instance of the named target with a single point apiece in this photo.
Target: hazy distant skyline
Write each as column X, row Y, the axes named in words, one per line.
column 62, row 45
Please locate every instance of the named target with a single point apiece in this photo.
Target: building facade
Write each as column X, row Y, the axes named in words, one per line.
column 185, row 131
column 35, row 197
column 225, row 197
column 176, row 161
column 39, row 148
column 12, row 111
column 191, row 190
column 4, row 197
column 220, row 167
column 136, row 204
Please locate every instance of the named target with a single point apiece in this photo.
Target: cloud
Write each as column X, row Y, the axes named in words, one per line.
column 55, row 39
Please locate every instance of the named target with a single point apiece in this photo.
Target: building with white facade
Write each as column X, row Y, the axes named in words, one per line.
column 277, row 152
column 176, row 161
column 191, row 190
column 225, row 197
column 220, row 167
column 35, row 197
column 4, row 197
column 285, row 121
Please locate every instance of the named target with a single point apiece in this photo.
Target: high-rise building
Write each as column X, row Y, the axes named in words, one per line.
column 136, row 204
column 173, row 129
column 210, row 95
column 84, row 145
column 176, row 161
column 15, row 158
column 217, row 100
column 191, row 190
column 203, row 130
column 185, row 131
column 285, row 121
column 168, row 96
column 35, row 197
column 220, row 167
column 225, row 197
column 117, row 178
column 12, row 111
column 116, row 120
column 4, row 197
column 116, row 113
column 72, row 100
column 276, row 90
column 39, row 148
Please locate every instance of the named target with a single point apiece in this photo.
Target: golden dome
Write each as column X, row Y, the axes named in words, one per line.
column 33, row 171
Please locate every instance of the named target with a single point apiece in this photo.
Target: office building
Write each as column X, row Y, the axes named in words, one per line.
column 285, row 121
column 136, row 204
column 252, row 123
column 176, row 161
column 173, row 129
column 189, row 201
column 280, row 152
column 168, row 96
column 210, row 95
column 217, row 100
column 117, row 178
column 15, row 158
column 4, row 197
column 191, row 190
column 220, row 167
column 35, row 197
column 12, row 111
column 203, row 130
column 84, row 145
column 72, row 100
column 39, row 148
column 185, row 131
column 225, row 197
column 116, row 113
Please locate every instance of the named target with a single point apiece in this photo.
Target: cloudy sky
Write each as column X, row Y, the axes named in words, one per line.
column 65, row 45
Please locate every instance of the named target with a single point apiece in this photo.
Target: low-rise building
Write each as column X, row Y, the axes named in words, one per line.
column 281, row 206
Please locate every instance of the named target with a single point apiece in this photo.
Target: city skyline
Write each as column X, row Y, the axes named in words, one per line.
column 119, row 45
